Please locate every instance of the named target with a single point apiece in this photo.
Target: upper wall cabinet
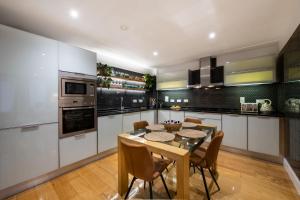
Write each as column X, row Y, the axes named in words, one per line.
column 74, row 59
column 251, row 71
column 28, row 78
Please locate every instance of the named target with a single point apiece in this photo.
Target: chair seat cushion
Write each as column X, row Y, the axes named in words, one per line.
column 160, row 165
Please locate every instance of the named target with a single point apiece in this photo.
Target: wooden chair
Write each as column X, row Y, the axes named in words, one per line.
column 205, row 159
column 140, row 125
column 141, row 165
column 193, row 120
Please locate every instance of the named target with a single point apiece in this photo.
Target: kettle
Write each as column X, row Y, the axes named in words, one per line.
column 266, row 106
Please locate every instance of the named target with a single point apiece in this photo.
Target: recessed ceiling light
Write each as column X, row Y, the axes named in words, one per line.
column 212, row 35
column 73, row 13
column 227, row 62
column 124, row 27
column 155, row 53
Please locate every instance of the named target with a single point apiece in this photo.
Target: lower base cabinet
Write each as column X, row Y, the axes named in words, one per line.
column 78, row 147
column 263, row 135
column 26, row 153
column 235, row 131
column 148, row 116
column 129, row 119
column 108, row 129
column 177, row 115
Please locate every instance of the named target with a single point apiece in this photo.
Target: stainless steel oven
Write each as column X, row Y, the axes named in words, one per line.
column 76, row 120
column 77, row 104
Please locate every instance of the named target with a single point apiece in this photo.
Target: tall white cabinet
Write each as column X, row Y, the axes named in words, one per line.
column 235, row 131
column 28, row 106
column 74, row 59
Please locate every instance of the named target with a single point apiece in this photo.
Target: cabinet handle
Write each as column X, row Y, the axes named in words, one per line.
column 79, row 136
column 30, row 126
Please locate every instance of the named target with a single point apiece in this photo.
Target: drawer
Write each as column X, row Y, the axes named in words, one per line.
column 76, row 148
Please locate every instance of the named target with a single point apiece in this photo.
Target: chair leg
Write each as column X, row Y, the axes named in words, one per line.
column 205, row 184
column 144, row 184
column 150, row 189
column 194, row 168
column 128, row 191
column 213, row 177
column 163, row 180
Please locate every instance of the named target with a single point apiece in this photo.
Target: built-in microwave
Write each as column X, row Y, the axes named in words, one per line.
column 76, row 89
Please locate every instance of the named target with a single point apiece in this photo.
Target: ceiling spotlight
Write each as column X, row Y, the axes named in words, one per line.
column 212, row 35
column 227, row 62
column 155, row 53
column 124, row 27
column 74, row 14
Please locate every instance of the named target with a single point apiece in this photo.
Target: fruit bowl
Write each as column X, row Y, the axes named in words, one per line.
column 172, row 125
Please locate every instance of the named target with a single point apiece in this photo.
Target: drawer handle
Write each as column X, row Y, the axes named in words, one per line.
column 28, row 126
column 79, row 136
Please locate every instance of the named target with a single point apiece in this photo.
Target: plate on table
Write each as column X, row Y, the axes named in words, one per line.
column 190, row 133
column 189, row 125
column 159, row 136
column 155, row 127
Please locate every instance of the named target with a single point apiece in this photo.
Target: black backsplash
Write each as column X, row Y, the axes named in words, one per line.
column 226, row 98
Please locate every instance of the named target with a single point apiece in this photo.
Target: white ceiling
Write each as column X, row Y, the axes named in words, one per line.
column 177, row 29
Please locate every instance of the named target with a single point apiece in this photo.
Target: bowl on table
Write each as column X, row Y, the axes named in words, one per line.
column 172, row 125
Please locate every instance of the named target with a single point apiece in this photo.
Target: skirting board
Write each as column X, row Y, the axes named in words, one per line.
column 292, row 175
column 10, row 191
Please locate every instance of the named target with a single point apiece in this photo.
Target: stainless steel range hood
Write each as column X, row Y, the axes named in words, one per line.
column 205, row 71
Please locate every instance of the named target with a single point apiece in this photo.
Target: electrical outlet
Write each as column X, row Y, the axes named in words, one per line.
column 185, row 100
column 166, row 98
column 178, row 100
column 242, row 100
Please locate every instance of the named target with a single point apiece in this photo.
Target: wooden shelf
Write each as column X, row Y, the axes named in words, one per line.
column 129, row 89
column 124, row 79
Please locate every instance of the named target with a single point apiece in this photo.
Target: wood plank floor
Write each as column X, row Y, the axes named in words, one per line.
column 240, row 177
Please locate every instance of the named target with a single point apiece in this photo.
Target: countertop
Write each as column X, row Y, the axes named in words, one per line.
column 106, row 112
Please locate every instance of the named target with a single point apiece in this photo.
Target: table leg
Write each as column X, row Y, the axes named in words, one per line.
column 122, row 171
column 182, row 173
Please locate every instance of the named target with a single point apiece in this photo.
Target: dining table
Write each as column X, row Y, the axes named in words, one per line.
column 179, row 150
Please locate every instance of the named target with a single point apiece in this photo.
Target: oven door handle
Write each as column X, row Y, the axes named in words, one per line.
column 79, row 108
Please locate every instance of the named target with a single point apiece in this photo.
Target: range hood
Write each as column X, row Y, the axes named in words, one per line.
column 208, row 74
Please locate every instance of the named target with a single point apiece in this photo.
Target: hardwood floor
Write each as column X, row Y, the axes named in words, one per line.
column 240, row 177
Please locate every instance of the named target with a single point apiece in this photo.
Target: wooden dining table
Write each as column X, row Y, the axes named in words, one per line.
column 178, row 150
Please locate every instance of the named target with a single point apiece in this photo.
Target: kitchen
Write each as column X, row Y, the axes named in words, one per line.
column 75, row 100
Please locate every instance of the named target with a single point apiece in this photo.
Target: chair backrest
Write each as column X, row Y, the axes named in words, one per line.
column 139, row 161
column 213, row 149
column 140, row 125
column 193, row 120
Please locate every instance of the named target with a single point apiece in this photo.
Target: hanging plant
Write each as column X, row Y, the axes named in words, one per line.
column 150, row 81
column 104, row 75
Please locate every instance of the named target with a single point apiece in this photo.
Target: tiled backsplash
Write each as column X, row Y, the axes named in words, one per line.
column 227, row 97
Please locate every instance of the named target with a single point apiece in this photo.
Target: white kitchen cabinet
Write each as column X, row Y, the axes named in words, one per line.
column 78, row 147
column 75, row 59
column 148, row 116
column 163, row 115
column 108, row 129
column 129, row 119
column 28, row 79
column 26, row 153
column 177, row 115
column 235, row 131
column 263, row 135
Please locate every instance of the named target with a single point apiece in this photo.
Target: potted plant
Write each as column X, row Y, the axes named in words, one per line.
column 104, row 75
column 149, row 81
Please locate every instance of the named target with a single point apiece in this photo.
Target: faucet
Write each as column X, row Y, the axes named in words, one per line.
column 122, row 107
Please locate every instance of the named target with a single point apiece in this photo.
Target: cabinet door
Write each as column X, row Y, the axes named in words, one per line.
column 177, row 115
column 129, row 119
column 148, row 116
column 28, row 79
column 26, row 153
column 108, row 129
column 215, row 122
column 263, row 135
column 163, row 115
column 75, row 59
column 235, row 131
column 78, row 147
